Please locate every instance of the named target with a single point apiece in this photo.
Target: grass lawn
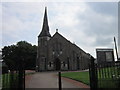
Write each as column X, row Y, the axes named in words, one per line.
column 79, row 76
column 109, row 77
column 7, row 80
column 107, row 82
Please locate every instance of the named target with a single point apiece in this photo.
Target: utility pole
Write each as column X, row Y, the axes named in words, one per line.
column 116, row 48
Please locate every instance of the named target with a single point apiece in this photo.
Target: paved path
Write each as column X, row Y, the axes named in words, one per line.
column 50, row 80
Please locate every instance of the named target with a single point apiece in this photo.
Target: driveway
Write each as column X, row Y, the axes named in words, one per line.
column 50, row 80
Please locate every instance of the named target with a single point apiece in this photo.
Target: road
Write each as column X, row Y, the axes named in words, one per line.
column 50, row 80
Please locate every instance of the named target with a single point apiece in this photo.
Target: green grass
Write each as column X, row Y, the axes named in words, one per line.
column 7, row 80
column 79, row 76
column 108, row 72
column 111, row 77
column 107, row 82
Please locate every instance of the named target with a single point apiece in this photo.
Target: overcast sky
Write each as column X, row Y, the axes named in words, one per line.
column 89, row 25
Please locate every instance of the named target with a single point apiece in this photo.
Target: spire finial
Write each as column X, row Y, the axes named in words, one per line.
column 56, row 30
column 45, row 9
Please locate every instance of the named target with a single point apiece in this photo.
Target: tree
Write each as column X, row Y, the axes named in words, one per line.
column 9, row 56
column 21, row 54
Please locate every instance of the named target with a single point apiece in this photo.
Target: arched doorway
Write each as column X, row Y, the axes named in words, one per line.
column 57, row 64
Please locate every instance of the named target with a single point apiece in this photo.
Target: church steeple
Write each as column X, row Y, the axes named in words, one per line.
column 45, row 27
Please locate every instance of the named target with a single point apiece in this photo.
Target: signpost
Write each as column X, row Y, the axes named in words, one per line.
column 104, row 55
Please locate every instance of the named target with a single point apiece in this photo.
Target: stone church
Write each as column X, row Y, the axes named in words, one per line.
column 57, row 53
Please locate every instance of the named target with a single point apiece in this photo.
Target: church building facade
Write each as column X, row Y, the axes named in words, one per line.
column 57, row 53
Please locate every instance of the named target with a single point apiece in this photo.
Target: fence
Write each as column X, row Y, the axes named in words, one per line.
column 10, row 80
column 13, row 79
column 109, row 75
column 104, row 75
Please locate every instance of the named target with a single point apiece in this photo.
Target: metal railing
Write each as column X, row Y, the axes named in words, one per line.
column 13, row 79
column 104, row 75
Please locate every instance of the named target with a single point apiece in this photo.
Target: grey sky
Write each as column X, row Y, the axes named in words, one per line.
column 89, row 25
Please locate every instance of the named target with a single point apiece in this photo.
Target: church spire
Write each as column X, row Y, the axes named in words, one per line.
column 45, row 27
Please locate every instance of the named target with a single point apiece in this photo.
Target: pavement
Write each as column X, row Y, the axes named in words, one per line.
column 50, row 80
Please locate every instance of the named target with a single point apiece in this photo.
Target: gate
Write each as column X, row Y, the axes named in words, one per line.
column 104, row 75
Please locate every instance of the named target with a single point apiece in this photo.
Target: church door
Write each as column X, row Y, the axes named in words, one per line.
column 57, row 64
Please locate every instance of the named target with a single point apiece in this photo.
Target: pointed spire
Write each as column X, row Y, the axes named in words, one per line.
column 45, row 27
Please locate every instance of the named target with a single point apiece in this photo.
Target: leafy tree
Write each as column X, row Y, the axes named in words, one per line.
column 21, row 54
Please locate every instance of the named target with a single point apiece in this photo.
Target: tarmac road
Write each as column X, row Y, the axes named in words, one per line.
column 50, row 80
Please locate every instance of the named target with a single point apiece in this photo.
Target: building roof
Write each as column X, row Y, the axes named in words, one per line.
column 45, row 28
column 57, row 33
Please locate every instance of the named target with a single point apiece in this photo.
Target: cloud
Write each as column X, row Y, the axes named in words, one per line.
column 99, row 25
column 20, row 22
column 86, row 24
column 107, row 8
column 119, row 28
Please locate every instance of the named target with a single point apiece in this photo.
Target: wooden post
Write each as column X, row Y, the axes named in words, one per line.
column 59, row 83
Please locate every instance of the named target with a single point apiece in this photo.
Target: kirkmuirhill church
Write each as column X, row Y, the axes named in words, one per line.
column 57, row 53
